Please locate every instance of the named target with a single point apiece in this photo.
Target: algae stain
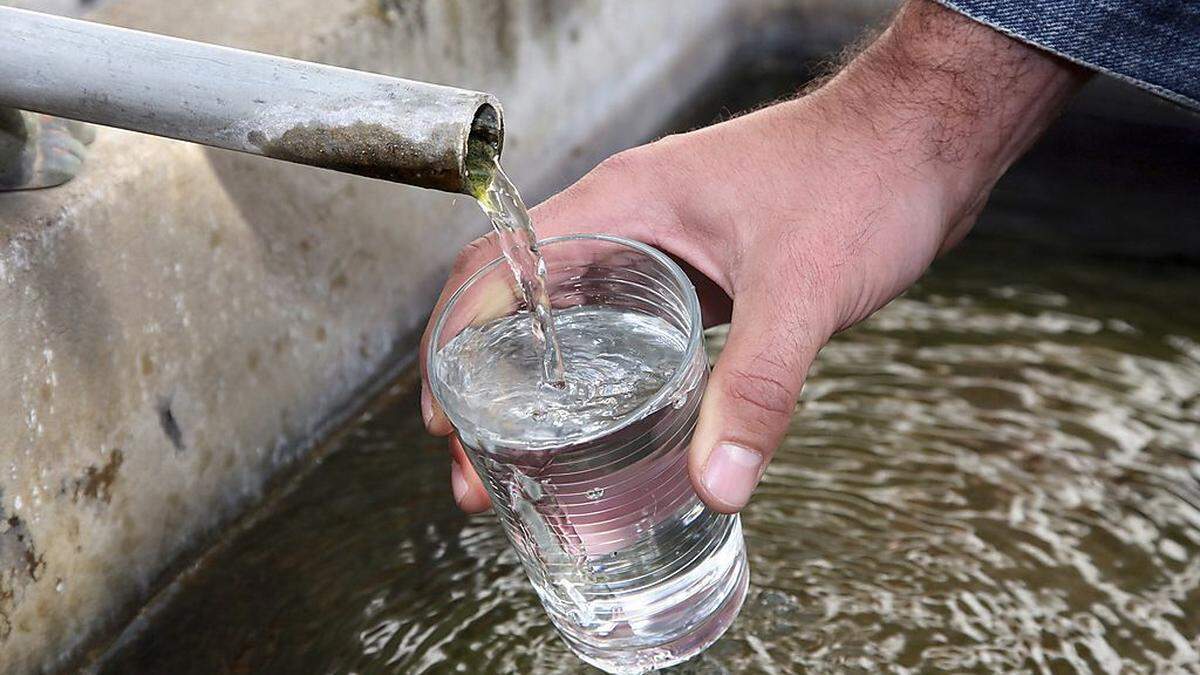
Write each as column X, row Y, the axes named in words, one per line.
column 96, row 483
column 363, row 148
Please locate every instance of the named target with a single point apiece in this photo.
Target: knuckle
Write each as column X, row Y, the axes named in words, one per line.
column 762, row 391
column 623, row 163
column 474, row 255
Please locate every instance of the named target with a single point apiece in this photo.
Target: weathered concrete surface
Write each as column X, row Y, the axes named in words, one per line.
column 178, row 323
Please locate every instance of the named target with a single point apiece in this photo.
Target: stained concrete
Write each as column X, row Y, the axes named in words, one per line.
column 179, row 324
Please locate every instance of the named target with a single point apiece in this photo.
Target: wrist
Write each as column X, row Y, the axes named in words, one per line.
column 949, row 101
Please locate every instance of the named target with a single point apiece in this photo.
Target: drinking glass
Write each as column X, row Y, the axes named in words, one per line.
column 634, row 571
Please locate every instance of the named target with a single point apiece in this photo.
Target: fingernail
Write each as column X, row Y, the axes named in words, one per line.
column 732, row 473
column 426, row 406
column 458, row 482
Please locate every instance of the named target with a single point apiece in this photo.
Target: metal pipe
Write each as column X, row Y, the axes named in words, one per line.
column 335, row 118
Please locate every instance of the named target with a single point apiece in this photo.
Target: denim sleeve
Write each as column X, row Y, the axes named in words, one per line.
column 1154, row 44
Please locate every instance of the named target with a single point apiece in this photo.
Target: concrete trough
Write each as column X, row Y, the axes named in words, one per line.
column 180, row 326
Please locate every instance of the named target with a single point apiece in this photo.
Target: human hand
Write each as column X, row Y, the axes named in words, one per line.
column 801, row 219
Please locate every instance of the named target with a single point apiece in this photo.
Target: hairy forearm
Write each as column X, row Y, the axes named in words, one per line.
column 953, row 100
column 866, row 178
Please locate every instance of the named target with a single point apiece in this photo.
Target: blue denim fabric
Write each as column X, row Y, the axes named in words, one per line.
column 1154, row 44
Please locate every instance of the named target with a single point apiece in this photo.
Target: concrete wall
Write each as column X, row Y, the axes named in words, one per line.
column 179, row 324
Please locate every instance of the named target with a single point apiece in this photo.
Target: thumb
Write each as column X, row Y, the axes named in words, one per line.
column 750, row 399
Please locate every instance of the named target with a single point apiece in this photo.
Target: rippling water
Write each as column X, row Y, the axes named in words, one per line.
column 990, row 477
column 999, row 471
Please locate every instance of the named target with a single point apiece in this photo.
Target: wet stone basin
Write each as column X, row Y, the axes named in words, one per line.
column 998, row 472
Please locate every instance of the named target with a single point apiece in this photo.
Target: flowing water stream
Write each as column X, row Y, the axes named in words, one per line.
column 502, row 203
column 998, row 472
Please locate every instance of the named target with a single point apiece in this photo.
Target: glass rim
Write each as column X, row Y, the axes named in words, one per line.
column 651, row 404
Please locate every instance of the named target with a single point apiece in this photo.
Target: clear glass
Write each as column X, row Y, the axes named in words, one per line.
column 633, row 570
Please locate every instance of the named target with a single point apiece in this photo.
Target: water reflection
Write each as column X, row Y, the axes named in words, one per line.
column 999, row 472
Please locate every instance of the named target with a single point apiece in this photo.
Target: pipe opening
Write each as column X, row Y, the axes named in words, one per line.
column 482, row 156
column 487, row 129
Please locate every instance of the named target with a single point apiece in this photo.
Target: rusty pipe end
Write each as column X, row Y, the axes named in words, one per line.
column 427, row 144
